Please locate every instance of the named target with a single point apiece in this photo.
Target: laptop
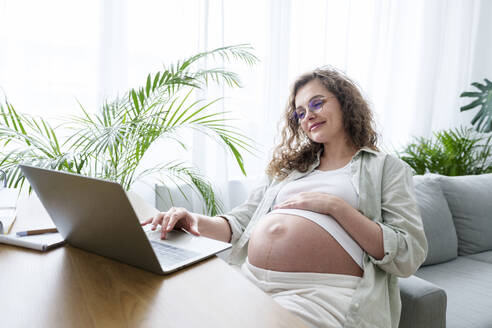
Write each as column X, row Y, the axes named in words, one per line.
column 100, row 217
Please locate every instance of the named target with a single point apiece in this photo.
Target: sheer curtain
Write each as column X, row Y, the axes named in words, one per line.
column 411, row 58
column 49, row 54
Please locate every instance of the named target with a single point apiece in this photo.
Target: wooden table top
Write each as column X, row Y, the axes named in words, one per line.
column 69, row 287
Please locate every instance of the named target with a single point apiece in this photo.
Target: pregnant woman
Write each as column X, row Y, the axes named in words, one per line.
column 335, row 221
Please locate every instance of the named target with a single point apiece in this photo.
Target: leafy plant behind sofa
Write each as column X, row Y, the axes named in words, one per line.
column 453, row 152
column 111, row 143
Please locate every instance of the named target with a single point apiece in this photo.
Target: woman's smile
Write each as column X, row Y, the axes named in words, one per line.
column 316, row 125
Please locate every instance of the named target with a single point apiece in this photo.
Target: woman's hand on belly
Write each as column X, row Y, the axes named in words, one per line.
column 291, row 243
column 367, row 233
column 315, row 202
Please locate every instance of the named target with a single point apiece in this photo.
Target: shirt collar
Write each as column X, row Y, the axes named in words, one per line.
column 318, row 156
column 368, row 150
column 365, row 149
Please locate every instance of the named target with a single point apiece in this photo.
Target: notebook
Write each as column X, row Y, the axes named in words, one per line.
column 42, row 242
column 98, row 216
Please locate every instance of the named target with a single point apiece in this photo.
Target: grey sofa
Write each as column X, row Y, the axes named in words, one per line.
column 453, row 287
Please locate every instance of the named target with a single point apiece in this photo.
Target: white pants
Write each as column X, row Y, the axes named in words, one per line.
column 319, row 299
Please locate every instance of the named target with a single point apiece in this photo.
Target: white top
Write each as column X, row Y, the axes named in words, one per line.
column 337, row 182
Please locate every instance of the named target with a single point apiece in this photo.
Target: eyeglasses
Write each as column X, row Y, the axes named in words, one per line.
column 314, row 106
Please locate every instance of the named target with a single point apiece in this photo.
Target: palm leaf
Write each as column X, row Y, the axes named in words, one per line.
column 111, row 143
column 179, row 174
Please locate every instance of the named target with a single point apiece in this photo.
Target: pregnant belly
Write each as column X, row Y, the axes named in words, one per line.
column 291, row 243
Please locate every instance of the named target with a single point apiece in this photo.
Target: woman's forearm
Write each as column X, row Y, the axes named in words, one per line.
column 367, row 233
column 215, row 227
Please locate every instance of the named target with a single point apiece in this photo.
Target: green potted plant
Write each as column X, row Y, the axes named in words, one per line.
column 458, row 151
column 110, row 144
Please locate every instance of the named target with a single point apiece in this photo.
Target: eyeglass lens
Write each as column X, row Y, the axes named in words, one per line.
column 314, row 106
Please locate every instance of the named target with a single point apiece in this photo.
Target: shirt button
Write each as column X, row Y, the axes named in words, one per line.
column 356, row 305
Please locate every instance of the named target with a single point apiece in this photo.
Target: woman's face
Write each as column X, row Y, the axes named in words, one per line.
column 324, row 122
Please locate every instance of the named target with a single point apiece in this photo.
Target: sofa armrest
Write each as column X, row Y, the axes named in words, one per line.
column 423, row 304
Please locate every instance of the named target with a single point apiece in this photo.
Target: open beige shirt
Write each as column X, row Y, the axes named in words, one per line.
column 385, row 188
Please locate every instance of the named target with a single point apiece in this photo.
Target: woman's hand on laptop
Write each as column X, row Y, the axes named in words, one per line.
column 175, row 217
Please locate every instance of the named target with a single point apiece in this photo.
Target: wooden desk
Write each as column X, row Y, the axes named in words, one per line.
column 68, row 287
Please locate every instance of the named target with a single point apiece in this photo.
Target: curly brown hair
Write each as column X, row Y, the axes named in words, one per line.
column 296, row 151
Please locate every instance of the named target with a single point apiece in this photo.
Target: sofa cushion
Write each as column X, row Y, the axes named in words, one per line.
column 467, row 284
column 436, row 217
column 470, row 202
column 484, row 257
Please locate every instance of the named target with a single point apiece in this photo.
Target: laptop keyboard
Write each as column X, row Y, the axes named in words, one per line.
column 170, row 255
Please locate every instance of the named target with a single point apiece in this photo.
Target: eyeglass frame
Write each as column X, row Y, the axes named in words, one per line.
column 311, row 107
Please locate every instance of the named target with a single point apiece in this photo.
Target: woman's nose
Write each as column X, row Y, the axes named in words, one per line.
column 309, row 115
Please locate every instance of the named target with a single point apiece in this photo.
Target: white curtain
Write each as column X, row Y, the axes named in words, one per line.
column 412, row 59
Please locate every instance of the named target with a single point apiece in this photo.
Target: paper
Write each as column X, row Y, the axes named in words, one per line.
column 7, row 218
column 42, row 242
column 8, row 197
column 8, row 203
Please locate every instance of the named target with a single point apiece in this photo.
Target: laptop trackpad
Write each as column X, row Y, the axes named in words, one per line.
column 169, row 255
column 187, row 241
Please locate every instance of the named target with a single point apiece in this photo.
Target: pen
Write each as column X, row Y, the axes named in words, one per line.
column 35, row 232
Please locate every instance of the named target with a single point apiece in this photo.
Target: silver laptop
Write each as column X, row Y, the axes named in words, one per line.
column 100, row 217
